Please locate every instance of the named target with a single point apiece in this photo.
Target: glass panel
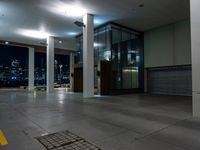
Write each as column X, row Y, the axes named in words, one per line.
column 126, row 52
column 62, row 70
column 40, row 69
column 13, row 66
column 116, row 36
column 124, row 48
column 126, row 36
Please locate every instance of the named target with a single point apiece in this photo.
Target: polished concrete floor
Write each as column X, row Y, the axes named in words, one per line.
column 130, row 122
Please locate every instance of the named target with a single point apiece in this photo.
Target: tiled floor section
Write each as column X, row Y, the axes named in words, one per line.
column 130, row 122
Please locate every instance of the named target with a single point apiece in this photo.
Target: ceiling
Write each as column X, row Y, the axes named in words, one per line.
column 45, row 14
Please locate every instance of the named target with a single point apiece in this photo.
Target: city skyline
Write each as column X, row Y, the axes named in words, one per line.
column 14, row 67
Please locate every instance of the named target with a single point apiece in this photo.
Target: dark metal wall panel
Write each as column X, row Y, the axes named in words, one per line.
column 170, row 80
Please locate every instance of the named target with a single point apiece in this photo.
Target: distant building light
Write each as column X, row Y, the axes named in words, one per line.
column 14, row 78
column 6, row 43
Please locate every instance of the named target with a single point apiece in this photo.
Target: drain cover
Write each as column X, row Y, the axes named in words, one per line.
column 65, row 140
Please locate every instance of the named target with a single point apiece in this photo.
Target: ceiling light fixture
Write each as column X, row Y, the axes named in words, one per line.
column 34, row 34
column 79, row 24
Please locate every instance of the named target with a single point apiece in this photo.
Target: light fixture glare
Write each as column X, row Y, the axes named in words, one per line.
column 75, row 11
column 34, row 34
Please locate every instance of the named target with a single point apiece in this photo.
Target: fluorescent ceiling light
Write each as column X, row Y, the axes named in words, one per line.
column 34, row 34
column 74, row 11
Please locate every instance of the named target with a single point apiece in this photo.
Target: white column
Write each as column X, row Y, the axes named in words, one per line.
column 31, row 69
column 50, row 64
column 195, row 36
column 88, row 56
column 71, row 69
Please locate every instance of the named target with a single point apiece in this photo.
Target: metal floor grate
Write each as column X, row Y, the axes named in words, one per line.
column 65, row 140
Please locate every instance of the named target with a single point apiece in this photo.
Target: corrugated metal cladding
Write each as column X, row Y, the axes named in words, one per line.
column 170, row 80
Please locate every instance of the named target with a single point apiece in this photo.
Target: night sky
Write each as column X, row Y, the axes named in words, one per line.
column 8, row 53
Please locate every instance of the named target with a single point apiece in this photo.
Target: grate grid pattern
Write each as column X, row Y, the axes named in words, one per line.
column 65, row 140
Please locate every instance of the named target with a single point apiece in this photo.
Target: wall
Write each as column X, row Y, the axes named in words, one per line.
column 168, row 45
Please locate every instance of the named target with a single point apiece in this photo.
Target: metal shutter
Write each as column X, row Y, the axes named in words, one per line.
column 170, row 80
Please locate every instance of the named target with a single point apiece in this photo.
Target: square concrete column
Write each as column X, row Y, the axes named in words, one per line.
column 31, row 69
column 195, row 36
column 71, row 68
column 88, row 56
column 50, row 64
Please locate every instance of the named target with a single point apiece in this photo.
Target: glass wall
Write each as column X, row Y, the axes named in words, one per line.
column 127, row 52
column 40, row 69
column 122, row 46
column 13, row 66
column 61, row 72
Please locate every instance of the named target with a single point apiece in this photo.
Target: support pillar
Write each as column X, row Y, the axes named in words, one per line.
column 195, row 36
column 50, row 64
column 88, row 56
column 31, row 69
column 71, row 69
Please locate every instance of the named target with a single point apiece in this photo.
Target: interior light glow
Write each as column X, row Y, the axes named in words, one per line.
column 97, row 21
column 107, row 55
column 34, row 34
column 75, row 11
column 72, row 33
column 61, row 102
column 133, row 51
column 97, row 45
